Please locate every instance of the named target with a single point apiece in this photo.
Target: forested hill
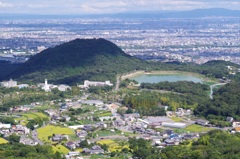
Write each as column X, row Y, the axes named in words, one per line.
column 76, row 61
column 95, row 59
column 6, row 68
column 226, row 103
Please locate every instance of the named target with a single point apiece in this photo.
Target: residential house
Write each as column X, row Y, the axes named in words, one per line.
column 88, row 127
column 59, row 137
column 5, row 126
column 119, row 122
column 190, row 136
column 71, row 145
column 27, row 141
column 73, row 155
column 229, row 119
column 171, row 142
column 20, row 129
column 81, row 134
column 63, row 87
column 236, row 124
column 97, row 150
column 94, row 150
column 106, row 118
column 202, row 122
column 156, row 140
column 66, row 117
column 237, row 129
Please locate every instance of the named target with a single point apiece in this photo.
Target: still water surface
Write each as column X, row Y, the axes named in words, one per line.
column 154, row 78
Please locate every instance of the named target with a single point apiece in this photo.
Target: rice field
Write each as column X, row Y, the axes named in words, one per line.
column 49, row 130
column 3, row 141
column 28, row 116
column 113, row 146
column 60, row 148
column 197, row 128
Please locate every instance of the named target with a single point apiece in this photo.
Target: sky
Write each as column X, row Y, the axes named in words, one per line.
column 109, row 6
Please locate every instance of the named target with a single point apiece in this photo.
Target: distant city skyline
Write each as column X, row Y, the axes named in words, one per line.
column 109, row 6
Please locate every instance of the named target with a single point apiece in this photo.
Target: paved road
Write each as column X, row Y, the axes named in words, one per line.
column 117, row 83
column 214, row 85
column 35, row 137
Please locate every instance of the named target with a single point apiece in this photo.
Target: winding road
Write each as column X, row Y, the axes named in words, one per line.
column 35, row 137
column 214, row 85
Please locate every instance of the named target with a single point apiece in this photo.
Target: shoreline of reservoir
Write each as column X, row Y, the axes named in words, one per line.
column 141, row 72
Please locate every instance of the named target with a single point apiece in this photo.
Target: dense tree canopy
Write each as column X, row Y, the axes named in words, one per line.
column 225, row 103
column 145, row 104
column 215, row 144
column 20, row 151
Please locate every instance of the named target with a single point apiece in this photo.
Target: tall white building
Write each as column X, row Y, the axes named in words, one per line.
column 46, row 86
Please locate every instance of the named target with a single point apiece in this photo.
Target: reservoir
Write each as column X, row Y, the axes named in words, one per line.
column 155, row 78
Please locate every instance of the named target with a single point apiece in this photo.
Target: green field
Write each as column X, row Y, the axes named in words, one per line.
column 103, row 133
column 103, row 113
column 49, row 130
column 44, row 107
column 28, row 116
column 113, row 146
column 3, row 141
column 197, row 128
column 60, row 148
column 177, row 119
column 122, row 156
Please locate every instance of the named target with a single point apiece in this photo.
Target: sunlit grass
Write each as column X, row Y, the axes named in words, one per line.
column 49, row 130
column 113, row 146
column 60, row 148
column 3, row 141
column 197, row 128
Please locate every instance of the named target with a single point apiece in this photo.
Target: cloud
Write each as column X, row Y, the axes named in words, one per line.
column 5, row 5
column 104, row 6
column 110, row 6
column 37, row 6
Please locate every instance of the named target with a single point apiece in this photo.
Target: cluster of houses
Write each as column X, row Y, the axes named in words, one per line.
column 235, row 125
column 180, row 112
column 96, row 149
column 233, row 70
column 8, row 129
column 20, row 130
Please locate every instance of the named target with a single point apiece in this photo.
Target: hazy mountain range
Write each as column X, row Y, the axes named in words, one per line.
column 198, row 13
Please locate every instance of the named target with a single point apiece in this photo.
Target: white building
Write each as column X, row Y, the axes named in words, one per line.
column 5, row 126
column 46, row 86
column 63, row 87
column 93, row 102
column 9, row 84
column 87, row 84
column 174, row 125
column 23, row 86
